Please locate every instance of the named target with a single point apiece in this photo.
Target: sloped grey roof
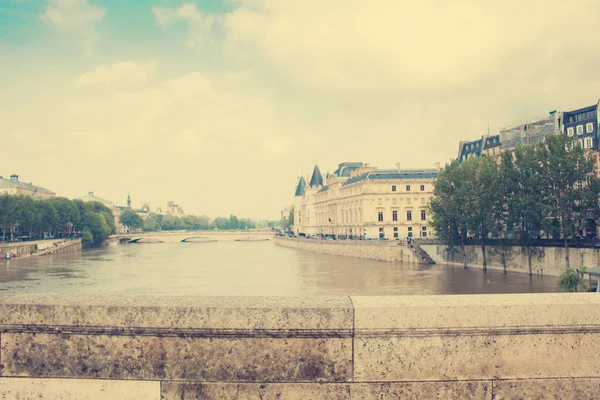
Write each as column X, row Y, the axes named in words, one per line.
column 317, row 178
column 394, row 174
column 9, row 183
column 300, row 187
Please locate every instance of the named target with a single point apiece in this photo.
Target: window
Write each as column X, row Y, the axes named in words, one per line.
column 580, row 129
column 394, row 215
column 409, row 215
column 588, row 143
column 424, row 232
column 422, row 188
column 408, row 188
column 589, row 127
column 396, row 232
column 381, row 233
column 393, row 188
column 570, row 131
column 410, row 232
column 380, row 216
column 423, row 215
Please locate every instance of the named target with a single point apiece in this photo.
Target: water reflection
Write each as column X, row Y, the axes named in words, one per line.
column 246, row 268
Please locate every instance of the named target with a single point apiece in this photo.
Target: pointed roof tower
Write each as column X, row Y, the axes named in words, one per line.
column 317, row 178
column 300, row 187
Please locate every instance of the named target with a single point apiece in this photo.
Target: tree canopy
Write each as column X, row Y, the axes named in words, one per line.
column 548, row 191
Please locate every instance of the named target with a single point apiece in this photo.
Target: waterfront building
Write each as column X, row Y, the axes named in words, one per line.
column 362, row 201
column 171, row 209
column 526, row 133
column 582, row 125
column 116, row 211
column 13, row 186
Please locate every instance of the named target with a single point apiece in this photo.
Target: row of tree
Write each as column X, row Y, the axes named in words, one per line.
column 154, row 222
column 25, row 218
column 546, row 191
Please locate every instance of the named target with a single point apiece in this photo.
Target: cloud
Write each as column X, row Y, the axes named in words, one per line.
column 201, row 25
column 76, row 18
column 122, row 73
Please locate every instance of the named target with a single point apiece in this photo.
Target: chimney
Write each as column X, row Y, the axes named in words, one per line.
column 91, row 194
column 398, row 167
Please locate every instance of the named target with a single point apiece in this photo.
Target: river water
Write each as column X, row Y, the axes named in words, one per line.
column 246, row 269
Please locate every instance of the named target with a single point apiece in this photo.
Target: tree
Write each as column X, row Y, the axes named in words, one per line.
column 131, row 219
column 450, row 205
column 8, row 213
column 151, row 224
column 567, row 173
column 569, row 280
column 523, row 189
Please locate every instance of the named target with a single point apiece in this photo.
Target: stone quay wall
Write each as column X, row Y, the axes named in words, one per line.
column 544, row 261
column 411, row 347
column 40, row 247
column 392, row 251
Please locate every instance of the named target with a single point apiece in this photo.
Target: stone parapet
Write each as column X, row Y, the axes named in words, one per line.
column 174, row 347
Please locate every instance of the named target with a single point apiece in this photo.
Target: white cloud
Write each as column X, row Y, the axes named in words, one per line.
column 200, row 24
column 76, row 18
column 122, row 73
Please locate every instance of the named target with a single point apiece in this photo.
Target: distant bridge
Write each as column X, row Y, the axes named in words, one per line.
column 201, row 236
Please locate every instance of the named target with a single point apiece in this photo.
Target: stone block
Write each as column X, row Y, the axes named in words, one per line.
column 254, row 391
column 523, row 311
column 548, row 389
column 476, row 337
column 476, row 390
column 258, row 359
column 77, row 389
column 475, row 356
column 176, row 313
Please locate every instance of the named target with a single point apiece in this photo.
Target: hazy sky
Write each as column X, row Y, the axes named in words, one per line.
column 220, row 106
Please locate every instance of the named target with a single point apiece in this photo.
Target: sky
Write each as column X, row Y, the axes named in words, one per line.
column 221, row 105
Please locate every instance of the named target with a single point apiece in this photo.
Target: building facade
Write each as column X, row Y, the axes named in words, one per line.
column 13, row 186
column 360, row 201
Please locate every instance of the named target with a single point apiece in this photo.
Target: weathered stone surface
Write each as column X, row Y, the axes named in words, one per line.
column 178, row 312
column 254, row 391
column 472, row 357
column 388, row 313
column 477, row 390
column 177, row 358
column 77, row 389
column 556, row 389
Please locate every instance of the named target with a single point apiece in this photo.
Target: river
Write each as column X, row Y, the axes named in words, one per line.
column 246, row 269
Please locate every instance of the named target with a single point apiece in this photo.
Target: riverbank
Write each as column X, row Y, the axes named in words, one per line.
column 379, row 250
column 544, row 260
column 39, row 248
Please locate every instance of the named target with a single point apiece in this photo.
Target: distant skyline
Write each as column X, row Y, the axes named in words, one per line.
column 219, row 106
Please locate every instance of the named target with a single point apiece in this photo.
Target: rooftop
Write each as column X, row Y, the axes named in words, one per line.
column 14, row 182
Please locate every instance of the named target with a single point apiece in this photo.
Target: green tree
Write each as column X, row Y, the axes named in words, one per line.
column 8, row 213
column 567, row 173
column 450, row 205
column 151, row 224
column 131, row 219
column 523, row 189
column 569, row 280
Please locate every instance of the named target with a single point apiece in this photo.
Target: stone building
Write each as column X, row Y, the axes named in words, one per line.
column 13, row 186
column 361, row 201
